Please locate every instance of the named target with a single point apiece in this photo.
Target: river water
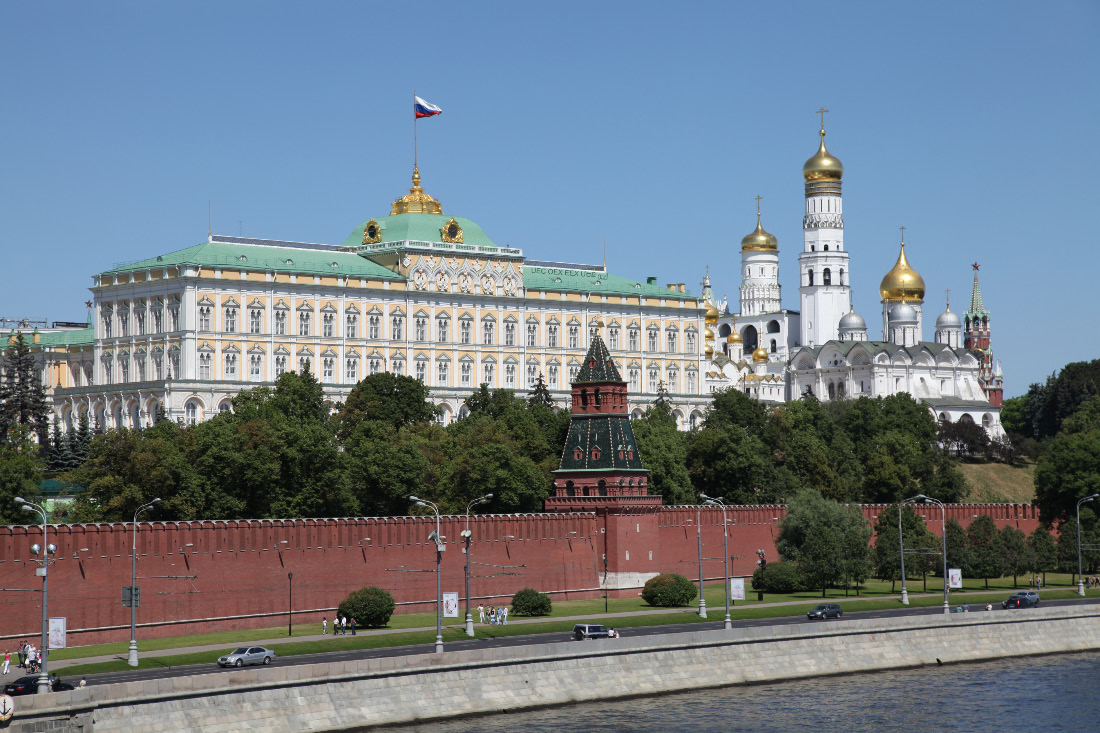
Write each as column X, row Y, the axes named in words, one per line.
column 1050, row 693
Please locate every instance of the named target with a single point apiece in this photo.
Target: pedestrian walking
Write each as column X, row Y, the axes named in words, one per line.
column 353, row 626
column 504, row 615
column 481, row 613
column 324, row 625
column 7, row 661
column 83, row 683
column 343, row 625
column 22, row 651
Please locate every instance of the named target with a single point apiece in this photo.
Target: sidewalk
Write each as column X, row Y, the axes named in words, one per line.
column 214, row 649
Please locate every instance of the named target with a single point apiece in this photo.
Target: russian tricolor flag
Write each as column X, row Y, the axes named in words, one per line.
column 424, row 109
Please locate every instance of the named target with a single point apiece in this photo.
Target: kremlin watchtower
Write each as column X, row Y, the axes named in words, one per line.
column 601, row 467
column 976, row 338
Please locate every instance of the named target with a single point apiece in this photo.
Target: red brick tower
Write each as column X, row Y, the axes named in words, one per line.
column 601, row 468
column 976, row 338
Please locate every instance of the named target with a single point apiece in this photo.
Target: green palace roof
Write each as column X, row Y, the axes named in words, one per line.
column 75, row 337
column 411, row 227
column 264, row 254
column 594, row 281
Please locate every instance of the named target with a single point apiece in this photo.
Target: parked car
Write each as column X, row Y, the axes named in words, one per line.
column 589, row 631
column 247, row 655
column 1022, row 599
column 825, row 610
column 29, row 685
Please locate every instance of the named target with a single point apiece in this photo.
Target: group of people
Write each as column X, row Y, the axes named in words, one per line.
column 1035, row 582
column 1092, row 581
column 495, row 614
column 30, row 658
column 340, row 625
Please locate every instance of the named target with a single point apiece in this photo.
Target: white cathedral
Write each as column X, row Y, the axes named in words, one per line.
column 775, row 355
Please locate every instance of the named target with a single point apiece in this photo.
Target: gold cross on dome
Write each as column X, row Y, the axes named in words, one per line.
column 948, row 291
column 822, row 112
column 902, row 235
column 758, row 198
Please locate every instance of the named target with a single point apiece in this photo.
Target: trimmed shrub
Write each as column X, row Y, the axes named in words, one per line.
column 529, row 602
column 668, row 589
column 369, row 606
column 777, row 577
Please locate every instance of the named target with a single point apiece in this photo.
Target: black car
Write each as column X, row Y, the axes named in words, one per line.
column 29, row 685
column 1023, row 599
column 590, row 631
column 825, row 610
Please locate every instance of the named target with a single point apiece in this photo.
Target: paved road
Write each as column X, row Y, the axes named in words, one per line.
column 716, row 617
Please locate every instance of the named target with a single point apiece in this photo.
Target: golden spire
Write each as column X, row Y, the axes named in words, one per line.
column 902, row 282
column 416, row 201
column 823, row 166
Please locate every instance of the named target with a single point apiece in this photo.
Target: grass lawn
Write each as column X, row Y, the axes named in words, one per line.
column 875, row 595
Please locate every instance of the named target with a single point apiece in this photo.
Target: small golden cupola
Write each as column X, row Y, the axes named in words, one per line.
column 759, row 240
column 902, row 282
column 416, row 201
column 761, row 354
column 823, row 166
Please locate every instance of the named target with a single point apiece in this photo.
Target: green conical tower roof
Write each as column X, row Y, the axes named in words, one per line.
column 598, row 365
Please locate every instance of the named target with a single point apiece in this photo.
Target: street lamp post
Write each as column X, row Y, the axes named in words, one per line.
column 466, row 534
column 901, row 557
column 1080, row 580
column 699, row 542
column 290, row 604
column 725, row 554
column 943, row 539
column 46, row 550
column 132, row 658
column 435, row 536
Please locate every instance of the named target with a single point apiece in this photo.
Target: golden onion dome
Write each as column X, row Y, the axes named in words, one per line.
column 733, row 338
column 761, row 354
column 708, row 334
column 759, row 240
column 711, row 316
column 822, row 166
column 709, row 351
column 416, row 201
column 902, row 282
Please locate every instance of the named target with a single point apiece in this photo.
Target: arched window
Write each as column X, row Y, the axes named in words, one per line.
column 602, row 486
column 826, row 277
column 773, row 346
column 842, row 276
column 832, row 391
column 570, row 489
column 826, row 248
column 810, row 275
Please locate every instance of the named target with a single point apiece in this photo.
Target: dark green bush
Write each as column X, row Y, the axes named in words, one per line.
column 370, row 606
column 668, row 589
column 529, row 602
column 777, row 577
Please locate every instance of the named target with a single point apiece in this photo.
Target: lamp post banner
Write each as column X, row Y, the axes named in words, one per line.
column 58, row 628
column 955, row 576
column 450, row 605
column 737, row 589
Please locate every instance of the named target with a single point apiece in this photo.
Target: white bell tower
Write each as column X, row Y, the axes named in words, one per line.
column 823, row 264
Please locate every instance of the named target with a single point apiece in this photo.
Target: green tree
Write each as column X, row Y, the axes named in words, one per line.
column 20, row 474
column 959, row 554
column 392, row 399
column 1067, row 472
column 987, row 549
column 731, row 408
column 370, row 607
column 829, row 541
column 529, row 602
column 887, row 545
column 669, row 590
column 22, row 396
column 1044, row 553
column 540, row 395
column 1014, row 416
column 1018, row 556
column 661, row 446
column 384, row 466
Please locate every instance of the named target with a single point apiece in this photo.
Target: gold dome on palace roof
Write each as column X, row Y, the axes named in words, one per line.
column 823, row 166
column 902, row 282
column 759, row 240
column 416, row 201
column 733, row 338
column 708, row 333
column 761, row 354
column 709, row 351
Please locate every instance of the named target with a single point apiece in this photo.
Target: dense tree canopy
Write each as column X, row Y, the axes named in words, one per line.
column 22, row 396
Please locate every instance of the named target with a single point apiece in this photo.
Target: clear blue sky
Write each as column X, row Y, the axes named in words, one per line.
column 652, row 125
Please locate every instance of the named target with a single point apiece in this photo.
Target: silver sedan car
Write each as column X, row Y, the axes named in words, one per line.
column 247, row 655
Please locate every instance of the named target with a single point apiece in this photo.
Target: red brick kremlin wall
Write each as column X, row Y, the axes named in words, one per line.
column 223, row 575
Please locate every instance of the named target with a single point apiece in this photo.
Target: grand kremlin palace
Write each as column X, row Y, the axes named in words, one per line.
column 423, row 293
column 417, row 292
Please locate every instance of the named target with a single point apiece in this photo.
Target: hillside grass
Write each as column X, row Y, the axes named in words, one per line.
column 996, row 483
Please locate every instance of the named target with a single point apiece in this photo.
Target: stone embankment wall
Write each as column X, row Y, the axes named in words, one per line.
column 224, row 575
column 347, row 695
